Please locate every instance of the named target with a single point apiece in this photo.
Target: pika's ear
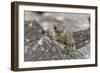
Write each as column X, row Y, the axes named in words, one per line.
column 54, row 25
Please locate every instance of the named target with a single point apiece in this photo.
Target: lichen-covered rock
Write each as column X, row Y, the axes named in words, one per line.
column 82, row 38
column 40, row 47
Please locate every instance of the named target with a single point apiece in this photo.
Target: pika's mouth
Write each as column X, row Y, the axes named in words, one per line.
column 58, row 31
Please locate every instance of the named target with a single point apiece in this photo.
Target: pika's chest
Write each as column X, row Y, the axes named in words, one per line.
column 60, row 37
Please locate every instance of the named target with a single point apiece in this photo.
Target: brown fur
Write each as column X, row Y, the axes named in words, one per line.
column 63, row 36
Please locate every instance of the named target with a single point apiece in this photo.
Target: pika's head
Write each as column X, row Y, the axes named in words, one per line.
column 59, row 28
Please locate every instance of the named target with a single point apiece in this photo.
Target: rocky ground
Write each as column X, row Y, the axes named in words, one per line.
column 39, row 46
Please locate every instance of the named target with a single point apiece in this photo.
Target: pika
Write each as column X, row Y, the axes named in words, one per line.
column 64, row 36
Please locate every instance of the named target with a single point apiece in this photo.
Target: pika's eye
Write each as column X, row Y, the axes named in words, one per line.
column 54, row 27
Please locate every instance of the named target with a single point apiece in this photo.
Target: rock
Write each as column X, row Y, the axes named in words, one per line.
column 82, row 38
column 50, row 50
